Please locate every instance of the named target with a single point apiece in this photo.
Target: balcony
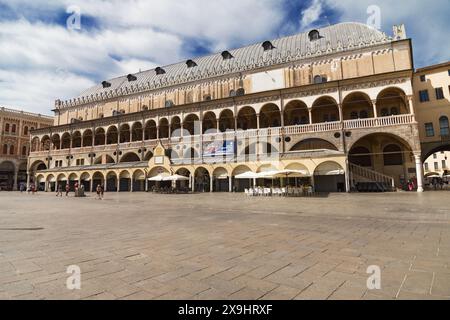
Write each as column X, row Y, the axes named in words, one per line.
column 405, row 119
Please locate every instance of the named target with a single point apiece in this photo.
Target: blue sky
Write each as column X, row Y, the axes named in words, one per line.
column 42, row 60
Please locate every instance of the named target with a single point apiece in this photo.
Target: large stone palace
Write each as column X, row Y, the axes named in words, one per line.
column 336, row 103
column 15, row 128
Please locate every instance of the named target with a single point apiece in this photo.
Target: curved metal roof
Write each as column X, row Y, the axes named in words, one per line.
column 335, row 38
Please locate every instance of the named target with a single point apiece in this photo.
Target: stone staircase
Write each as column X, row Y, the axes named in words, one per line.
column 367, row 180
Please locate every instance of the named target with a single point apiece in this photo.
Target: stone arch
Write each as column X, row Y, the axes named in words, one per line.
column 125, row 181
column 136, row 132
column 325, row 109
column 163, row 128
column 329, row 176
column 98, row 179
column 246, row 118
column 357, row 105
column 313, row 144
column 221, row 181
column 87, row 138
column 65, row 140
column 130, row 157
column 100, row 137
column 125, row 132
column 150, row 131
column 296, row 113
column 175, row 126
column 56, row 141
column 191, row 124
column 226, row 120
column 209, row 122
column 111, row 181
column 139, row 180
column 45, row 143
column 269, row 116
column 35, row 142
column 392, row 101
column 112, row 135
column 202, row 180
column 76, row 139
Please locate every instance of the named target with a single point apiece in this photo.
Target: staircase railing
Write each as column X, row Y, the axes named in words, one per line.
column 358, row 172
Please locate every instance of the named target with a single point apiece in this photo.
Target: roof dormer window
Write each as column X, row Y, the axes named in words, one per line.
column 159, row 71
column 106, row 84
column 191, row 64
column 131, row 77
column 226, row 55
column 314, row 35
column 267, row 45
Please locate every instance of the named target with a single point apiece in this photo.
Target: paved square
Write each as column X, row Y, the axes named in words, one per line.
column 225, row 246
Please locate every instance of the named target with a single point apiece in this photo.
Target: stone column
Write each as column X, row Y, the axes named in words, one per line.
column 28, row 180
column 146, row 183
column 257, row 121
column 192, row 181
column 211, row 181
column 411, row 107
column 16, row 173
column 217, row 125
column 310, row 115
column 118, row 183
column 419, row 172
column 341, row 116
column 230, row 184
column 131, row 186
column 375, row 112
column 91, row 185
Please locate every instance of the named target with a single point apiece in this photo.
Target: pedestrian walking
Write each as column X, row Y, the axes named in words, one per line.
column 99, row 192
column 67, row 190
column 102, row 191
column 59, row 191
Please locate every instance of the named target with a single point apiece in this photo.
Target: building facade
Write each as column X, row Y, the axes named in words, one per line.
column 432, row 96
column 437, row 165
column 15, row 144
column 336, row 103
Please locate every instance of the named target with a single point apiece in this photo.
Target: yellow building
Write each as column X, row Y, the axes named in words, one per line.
column 432, row 95
column 15, row 144
column 336, row 104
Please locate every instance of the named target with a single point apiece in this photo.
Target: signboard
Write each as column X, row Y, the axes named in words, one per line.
column 159, row 160
column 218, row 148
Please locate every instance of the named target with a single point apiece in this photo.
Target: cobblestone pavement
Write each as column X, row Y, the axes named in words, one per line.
column 225, row 246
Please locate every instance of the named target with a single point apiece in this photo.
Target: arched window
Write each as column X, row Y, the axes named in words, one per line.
column 207, row 97
column 11, row 149
column 392, row 155
column 169, row 103
column 232, row 93
column 5, row 149
column 13, row 129
column 317, row 79
column 25, row 131
column 7, row 127
column 384, row 112
column 354, row 115
column 313, row 35
column 24, row 150
column 394, row 111
column 443, row 123
column 240, row 92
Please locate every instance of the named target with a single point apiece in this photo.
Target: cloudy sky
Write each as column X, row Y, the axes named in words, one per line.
column 44, row 56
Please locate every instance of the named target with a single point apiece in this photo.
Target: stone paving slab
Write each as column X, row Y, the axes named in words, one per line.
column 225, row 246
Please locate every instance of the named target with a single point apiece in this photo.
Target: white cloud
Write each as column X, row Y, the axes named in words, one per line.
column 426, row 23
column 128, row 36
column 311, row 15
